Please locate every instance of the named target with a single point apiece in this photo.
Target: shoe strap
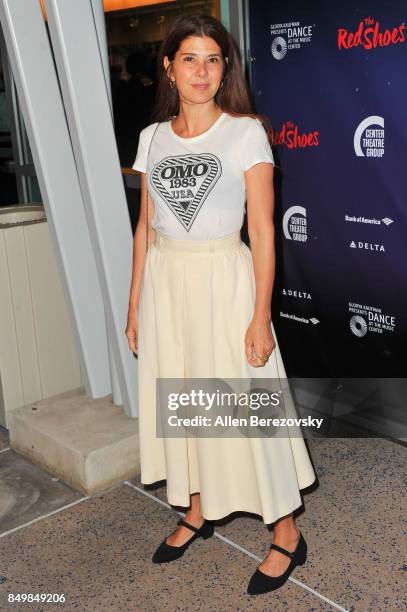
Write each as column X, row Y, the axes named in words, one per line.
column 282, row 550
column 182, row 522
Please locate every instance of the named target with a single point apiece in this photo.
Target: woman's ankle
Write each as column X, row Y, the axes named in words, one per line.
column 194, row 513
column 286, row 528
column 194, row 516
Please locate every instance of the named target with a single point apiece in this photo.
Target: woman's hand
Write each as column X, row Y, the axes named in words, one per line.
column 132, row 332
column 259, row 342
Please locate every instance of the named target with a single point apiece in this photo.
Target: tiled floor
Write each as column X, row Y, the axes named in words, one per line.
column 97, row 550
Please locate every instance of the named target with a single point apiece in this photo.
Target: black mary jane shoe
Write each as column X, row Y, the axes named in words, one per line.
column 262, row 583
column 165, row 552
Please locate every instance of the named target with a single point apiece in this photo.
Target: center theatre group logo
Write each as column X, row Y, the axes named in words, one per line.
column 184, row 182
column 370, row 138
column 295, row 223
column 369, row 36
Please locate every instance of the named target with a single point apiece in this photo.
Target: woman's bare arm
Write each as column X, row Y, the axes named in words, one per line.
column 260, row 224
column 139, row 246
column 259, row 341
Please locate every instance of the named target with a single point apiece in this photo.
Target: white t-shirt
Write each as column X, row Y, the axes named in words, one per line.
column 197, row 184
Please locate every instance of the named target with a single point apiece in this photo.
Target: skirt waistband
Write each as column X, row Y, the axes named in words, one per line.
column 230, row 242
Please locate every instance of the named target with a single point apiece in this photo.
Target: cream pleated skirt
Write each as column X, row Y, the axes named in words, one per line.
column 196, row 301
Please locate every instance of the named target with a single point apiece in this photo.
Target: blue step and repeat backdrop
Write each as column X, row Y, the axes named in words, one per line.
column 332, row 80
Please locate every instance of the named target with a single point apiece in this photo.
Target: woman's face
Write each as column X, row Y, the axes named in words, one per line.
column 196, row 69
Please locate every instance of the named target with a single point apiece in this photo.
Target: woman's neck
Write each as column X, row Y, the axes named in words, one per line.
column 192, row 121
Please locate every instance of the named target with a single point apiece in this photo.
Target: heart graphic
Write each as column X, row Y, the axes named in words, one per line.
column 184, row 182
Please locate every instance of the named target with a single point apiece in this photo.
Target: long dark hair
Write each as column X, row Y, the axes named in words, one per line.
column 233, row 97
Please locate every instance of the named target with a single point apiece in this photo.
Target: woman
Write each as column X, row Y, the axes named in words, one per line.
column 200, row 298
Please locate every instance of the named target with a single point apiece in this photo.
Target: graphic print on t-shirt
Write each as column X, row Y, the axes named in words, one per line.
column 184, row 182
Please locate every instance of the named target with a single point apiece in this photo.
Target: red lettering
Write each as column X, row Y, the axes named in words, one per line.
column 368, row 43
column 277, row 138
column 377, row 37
column 387, row 38
column 394, row 37
column 288, row 140
column 292, row 138
column 358, row 35
column 296, row 137
column 313, row 139
column 342, row 38
column 370, row 37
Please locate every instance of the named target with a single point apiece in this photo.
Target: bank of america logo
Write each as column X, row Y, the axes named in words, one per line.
column 387, row 221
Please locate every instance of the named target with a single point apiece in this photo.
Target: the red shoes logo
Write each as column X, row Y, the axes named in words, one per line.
column 369, row 36
column 291, row 136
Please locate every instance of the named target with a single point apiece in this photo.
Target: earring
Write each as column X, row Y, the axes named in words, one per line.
column 221, row 84
column 172, row 83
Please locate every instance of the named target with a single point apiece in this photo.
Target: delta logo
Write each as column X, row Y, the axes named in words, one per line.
column 370, row 35
column 291, row 136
